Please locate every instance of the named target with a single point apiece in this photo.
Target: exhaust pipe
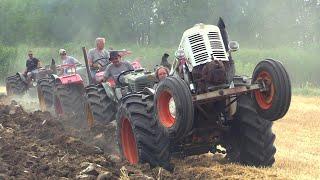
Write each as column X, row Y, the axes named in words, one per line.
column 84, row 51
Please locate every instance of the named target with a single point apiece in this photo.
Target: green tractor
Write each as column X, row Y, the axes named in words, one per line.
column 130, row 102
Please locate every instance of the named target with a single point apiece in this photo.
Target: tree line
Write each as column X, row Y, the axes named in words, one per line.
column 158, row 22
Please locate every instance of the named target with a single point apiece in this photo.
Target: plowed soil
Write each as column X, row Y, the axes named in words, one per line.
column 36, row 145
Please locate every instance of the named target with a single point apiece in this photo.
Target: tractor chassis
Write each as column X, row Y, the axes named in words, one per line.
column 223, row 93
column 204, row 139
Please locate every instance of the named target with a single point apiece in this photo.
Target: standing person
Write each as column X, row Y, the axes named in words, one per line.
column 116, row 67
column 96, row 53
column 164, row 61
column 32, row 65
column 161, row 73
column 67, row 59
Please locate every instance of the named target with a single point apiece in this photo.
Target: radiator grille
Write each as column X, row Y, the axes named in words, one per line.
column 216, row 45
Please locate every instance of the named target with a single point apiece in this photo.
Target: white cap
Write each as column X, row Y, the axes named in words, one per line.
column 62, row 51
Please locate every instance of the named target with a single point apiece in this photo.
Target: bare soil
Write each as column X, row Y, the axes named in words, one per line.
column 36, row 145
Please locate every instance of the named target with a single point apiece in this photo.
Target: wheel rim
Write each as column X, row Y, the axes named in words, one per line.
column 265, row 98
column 166, row 116
column 42, row 102
column 128, row 142
column 58, row 106
column 90, row 119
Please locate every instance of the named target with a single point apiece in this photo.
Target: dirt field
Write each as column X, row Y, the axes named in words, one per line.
column 37, row 145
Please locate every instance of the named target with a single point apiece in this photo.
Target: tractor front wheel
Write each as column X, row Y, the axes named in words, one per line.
column 174, row 105
column 272, row 103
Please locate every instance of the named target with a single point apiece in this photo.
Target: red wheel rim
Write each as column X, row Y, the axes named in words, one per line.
column 58, row 106
column 128, row 142
column 265, row 98
column 165, row 116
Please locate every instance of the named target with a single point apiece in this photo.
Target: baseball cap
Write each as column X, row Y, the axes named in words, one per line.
column 113, row 55
column 62, row 51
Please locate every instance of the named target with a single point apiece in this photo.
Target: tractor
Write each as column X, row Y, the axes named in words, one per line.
column 129, row 100
column 101, row 99
column 64, row 90
column 20, row 83
column 202, row 106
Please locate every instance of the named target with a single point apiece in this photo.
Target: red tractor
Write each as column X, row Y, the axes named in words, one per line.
column 203, row 105
column 64, row 90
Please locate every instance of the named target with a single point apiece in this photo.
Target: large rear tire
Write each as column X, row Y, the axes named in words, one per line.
column 180, row 123
column 251, row 140
column 15, row 85
column 100, row 108
column 274, row 103
column 140, row 139
column 69, row 99
column 45, row 93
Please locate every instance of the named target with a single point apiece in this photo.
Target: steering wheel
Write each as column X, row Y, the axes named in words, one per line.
column 122, row 74
column 99, row 62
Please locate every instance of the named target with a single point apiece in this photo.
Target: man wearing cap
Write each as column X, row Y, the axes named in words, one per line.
column 67, row 59
column 116, row 67
column 32, row 65
column 99, row 52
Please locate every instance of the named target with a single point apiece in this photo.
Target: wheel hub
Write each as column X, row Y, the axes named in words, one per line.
column 166, row 109
column 264, row 98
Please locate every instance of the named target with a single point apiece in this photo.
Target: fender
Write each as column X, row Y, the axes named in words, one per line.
column 109, row 91
column 68, row 79
column 22, row 77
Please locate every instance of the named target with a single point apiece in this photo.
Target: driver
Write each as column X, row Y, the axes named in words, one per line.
column 97, row 53
column 67, row 59
column 32, row 65
column 116, row 67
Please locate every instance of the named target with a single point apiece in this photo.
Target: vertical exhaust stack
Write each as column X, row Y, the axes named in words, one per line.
column 84, row 51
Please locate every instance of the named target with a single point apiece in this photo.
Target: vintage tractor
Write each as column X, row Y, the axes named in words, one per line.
column 130, row 101
column 101, row 102
column 64, row 90
column 204, row 107
column 20, row 83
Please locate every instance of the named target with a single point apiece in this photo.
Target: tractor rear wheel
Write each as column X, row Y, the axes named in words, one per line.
column 69, row 99
column 274, row 103
column 100, row 108
column 251, row 140
column 45, row 93
column 174, row 105
column 15, row 85
column 140, row 139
